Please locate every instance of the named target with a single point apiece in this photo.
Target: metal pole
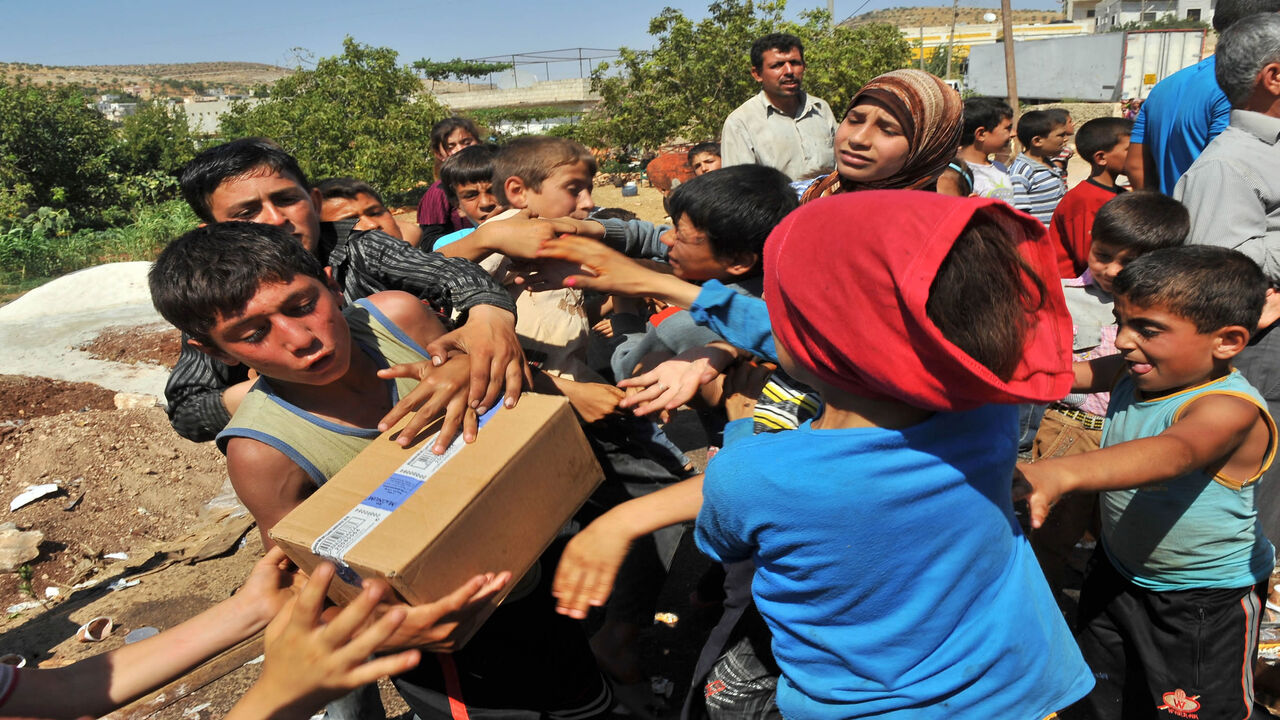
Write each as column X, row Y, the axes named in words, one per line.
column 1010, row 72
column 515, row 79
column 922, row 43
column 955, row 15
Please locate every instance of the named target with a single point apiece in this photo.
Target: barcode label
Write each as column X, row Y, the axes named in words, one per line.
column 334, row 544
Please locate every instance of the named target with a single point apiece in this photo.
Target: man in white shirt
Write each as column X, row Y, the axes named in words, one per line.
column 782, row 126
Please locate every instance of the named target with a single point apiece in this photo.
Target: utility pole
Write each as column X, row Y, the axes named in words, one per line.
column 951, row 41
column 1010, row 72
column 831, row 10
column 922, row 43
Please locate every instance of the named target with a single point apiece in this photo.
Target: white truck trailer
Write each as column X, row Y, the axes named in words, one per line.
column 1105, row 67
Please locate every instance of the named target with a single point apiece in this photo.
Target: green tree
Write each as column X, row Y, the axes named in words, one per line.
column 359, row 114
column 458, row 69
column 155, row 138
column 55, row 151
column 697, row 73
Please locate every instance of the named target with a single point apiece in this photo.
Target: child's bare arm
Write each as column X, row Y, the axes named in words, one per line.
column 590, row 562
column 267, row 481
column 1215, row 433
column 592, row 401
column 95, row 686
column 674, row 382
column 1096, row 375
column 517, row 237
column 612, row 272
column 310, row 662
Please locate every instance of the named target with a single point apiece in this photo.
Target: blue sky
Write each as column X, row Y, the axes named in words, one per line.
column 106, row 32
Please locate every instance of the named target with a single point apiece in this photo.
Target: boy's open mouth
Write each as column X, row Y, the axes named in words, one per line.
column 1139, row 368
column 321, row 363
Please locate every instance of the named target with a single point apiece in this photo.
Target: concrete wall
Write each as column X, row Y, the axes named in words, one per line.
column 573, row 94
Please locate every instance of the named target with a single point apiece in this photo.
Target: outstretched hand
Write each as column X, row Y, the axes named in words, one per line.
column 1039, row 488
column 489, row 337
column 439, row 626
column 588, row 566
column 271, row 584
column 440, row 389
column 604, row 269
column 520, row 236
column 310, row 662
column 674, row 382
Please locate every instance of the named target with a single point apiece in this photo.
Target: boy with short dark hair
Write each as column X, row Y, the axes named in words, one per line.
column 329, row 379
column 721, row 223
column 345, row 198
column 467, row 180
column 1037, row 184
column 253, row 179
column 1125, row 228
column 1171, row 607
column 988, row 125
column 704, row 157
column 1104, row 142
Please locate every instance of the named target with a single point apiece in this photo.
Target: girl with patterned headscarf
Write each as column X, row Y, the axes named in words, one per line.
column 899, row 132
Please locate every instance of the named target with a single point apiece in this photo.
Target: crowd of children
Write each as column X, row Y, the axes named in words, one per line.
column 893, row 356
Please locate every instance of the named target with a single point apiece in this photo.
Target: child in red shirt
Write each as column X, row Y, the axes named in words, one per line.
column 1104, row 143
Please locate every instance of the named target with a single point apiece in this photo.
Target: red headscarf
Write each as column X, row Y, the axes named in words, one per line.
column 846, row 281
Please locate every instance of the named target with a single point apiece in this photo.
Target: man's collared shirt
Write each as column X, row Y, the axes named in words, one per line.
column 757, row 133
column 1233, row 191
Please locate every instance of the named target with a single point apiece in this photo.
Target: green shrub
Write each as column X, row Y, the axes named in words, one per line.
column 45, row 245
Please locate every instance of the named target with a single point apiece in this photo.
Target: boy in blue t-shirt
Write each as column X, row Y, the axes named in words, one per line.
column 889, row 566
column 1170, row 609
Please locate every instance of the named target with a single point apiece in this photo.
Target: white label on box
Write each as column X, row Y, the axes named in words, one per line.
column 334, row 544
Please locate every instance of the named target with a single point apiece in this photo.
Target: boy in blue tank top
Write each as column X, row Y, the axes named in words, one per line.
column 1171, row 605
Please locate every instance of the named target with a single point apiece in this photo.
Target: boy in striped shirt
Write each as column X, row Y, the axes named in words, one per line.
column 1037, row 184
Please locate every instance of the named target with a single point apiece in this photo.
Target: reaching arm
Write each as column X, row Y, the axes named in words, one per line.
column 634, row 238
column 488, row 338
column 97, row 685
column 373, row 261
column 590, row 562
column 1205, row 437
column 612, row 272
column 310, row 662
column 742, row 320
column 518, row 237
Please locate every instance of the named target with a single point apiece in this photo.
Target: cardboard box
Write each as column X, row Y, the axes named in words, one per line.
column 428, row 523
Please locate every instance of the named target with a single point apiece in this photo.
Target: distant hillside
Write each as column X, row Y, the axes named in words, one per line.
column 146, row 80
column 935, row 16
